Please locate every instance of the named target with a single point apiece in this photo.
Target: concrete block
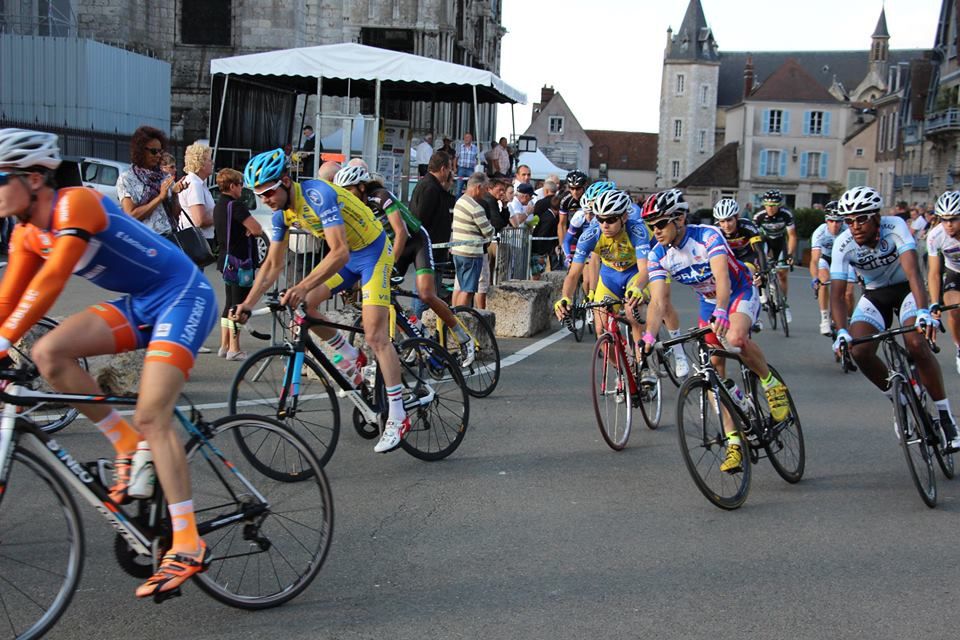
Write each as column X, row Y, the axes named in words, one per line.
column 523, row 307
column 555, row 278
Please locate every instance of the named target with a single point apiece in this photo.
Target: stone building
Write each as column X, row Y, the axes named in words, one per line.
column 628, row 158
column 189, row 33
column 558, row 132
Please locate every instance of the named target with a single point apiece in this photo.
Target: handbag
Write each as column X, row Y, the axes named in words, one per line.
column 236, row 271
column 193, row 243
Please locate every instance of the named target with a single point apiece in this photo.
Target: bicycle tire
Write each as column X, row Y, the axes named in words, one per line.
column 26, row 525
column 51, row 417
column 945, row 461
column 609, row 360
column 913, row 441
column 437, row 428
column 260, row 541
column 703, row 444
column 579, row 315
column 483, row 374
column 785, row 448
column 651, row 401
column 772, row 311
column 257, row 387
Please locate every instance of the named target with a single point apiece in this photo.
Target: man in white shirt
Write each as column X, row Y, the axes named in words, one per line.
column 424, row 151
column 521, row 207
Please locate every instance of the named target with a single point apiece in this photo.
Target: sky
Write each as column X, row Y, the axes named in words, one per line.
column 605, row 56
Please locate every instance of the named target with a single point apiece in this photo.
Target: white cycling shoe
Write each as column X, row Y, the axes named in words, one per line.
column 680, row 365
column 392, row 435
column 825, row 328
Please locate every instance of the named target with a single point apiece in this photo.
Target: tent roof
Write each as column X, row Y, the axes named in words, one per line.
column 540, row 165
column 402, row 75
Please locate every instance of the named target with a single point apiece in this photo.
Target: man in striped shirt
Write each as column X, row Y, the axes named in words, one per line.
column 466, row 161
column 470, row 225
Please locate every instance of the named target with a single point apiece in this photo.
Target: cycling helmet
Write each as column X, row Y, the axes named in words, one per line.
column 265, row 167
column 948, row 204
column 773, row 198
column 832, row 211
column 597, row 188
column 860, row 200
column 648, row 206
column 612, row 203
column 669, row 203
column 586, row 204
column 577, row 179
column 351, row 175
column 726, row 208
column 23, row 149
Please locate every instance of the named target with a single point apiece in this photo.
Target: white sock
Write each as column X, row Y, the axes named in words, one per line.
column 824, row 314
column 340, row 345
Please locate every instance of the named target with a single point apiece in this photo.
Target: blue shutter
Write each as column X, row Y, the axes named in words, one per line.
column 826, row 123
column 803, row 164
column 765, row 123
column 785, row 122
column 763, row 162
column 783, row 162
column 823, row 165
column 806, row 123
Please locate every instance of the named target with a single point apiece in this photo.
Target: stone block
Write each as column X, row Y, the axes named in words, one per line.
column 523, row 307
column 555, row 278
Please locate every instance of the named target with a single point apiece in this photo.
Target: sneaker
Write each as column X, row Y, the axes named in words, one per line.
column 680, row 364
column 825, row 328
column 468, row 353
column 733, row 463
column 778, row 402
column 758, row 327
column 392, row 435
column 236, row 356
column 949, row 428
column 174, row 570
column 648, row 378
column 222, row 352
column 788, row 314
column 204, row 350
column 121, row 478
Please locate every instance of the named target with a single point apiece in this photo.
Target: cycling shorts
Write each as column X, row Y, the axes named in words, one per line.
column 613, row 283
column 372, row 267
column 877, row 306
column 417, row 251
column 951, row 281
column 777, row 249
column 745, row 300
column 823, row 265
column 171, row 322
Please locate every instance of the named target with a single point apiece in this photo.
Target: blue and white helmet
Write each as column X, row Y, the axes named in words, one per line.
column 265, row 167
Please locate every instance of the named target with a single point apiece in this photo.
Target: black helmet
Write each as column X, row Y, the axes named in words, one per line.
column 773, row 198
column 577, row 179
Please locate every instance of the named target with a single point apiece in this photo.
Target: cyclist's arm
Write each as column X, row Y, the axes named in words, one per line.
column 791, row 241
column 718, row 266
column 572, row 280
column 839, row 265
column 761, row 253
column 911, row 268
column 562, row 231
column 400, row 234
column 659, row 296
column 21, row 268
column 268, row 273
column 337, row 255
column 933, row 277
column 815, row 253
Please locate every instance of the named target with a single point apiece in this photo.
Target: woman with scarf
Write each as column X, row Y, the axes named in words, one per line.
column 143, row 187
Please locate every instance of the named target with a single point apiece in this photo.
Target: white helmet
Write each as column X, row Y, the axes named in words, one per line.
column 350, row 176
column 948, row 204
column 23, row 149
column 860, row 200
column 586, row 204
column 726, row 208
column 612, row 203
column 669, row 203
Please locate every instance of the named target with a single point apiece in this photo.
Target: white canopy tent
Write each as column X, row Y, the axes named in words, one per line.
column 357, row 70
column 540, row 165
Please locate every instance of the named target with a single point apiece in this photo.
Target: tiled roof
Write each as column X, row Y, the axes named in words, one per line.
column 629, row 150
column 721, row 170
column 792, row 83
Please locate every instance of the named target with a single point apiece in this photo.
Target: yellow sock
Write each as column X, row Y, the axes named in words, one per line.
column 119, row 432
column 185, row 535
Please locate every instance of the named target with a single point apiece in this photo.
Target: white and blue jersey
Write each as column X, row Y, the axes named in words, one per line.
column 879, row 266
column 940, row 243
column 823, row 240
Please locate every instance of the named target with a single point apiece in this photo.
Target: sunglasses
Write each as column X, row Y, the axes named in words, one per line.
column 154, row 151
column 269, row 191
column 609, row 219
column 861, row 219
column 6, row 175
column 949, row 218
column 661, row 224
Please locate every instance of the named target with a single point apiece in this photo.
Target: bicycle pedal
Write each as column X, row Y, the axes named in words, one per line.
column 163, row 596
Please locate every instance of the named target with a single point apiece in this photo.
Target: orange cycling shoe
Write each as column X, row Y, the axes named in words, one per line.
column 174, row 570
column 121, row 478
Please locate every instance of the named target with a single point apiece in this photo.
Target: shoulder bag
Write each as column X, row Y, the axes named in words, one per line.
column 193, row 243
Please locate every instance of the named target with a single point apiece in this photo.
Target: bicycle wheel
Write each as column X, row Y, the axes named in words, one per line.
column 50, row 416
column 651, row 398
column 268, row 538
column 912, row 435
column 41, row 547
column 483, row 374
column 772, row 310
column 579, row 315
column 703, row 443
column 313, row 413
column 782, row 309
column 611, row 394
column 783, row 442
column 435, row 397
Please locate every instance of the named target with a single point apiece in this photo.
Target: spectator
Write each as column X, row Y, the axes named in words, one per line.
column 501, row 158
column 545, row 212
column 521, row 207
column 523, row 175
column 143, row 188
column 168, row 165
column 243, row 232
column 470, row 225
column 466, row 161
column 431, row 201
column 539, row 191
column 489, row 164
column 424, row 151
column 327, row 170
column 902, row 211
column 448, row 149
column 309, row 142
column 196, row 199
column 493, row 204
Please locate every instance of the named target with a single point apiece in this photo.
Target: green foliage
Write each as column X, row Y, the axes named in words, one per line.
column 807, row 221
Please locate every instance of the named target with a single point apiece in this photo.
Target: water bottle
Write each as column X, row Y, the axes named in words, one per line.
column 416, row 325
column 370, row 375
column 737, row 394
column 347, row 369
column 142, row 474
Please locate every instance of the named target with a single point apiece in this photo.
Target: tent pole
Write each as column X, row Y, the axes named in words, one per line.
column 513, row 123
column 316, row 129
column 476, row 122
column 376, row 122
column 223, row 99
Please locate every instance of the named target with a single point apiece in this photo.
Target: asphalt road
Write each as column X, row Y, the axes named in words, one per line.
column 535, row 529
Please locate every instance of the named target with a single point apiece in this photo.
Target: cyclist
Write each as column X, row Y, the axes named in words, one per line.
column 357, row 250
column 167, row 306
column 882, row 251
column 943, row 242
column 411, row 243
column 775, row 222
column 744, row 239
column 576, row 183
column 821, row 253
column 698, row 256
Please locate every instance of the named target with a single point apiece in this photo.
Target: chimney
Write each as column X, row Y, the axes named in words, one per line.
column 546, row 95
column 748, row 77
column 669, row 42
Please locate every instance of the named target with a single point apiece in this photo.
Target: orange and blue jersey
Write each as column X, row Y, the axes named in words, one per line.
column 169, row 305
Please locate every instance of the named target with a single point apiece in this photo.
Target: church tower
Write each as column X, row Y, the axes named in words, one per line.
column 880, row 46
column 688, row 98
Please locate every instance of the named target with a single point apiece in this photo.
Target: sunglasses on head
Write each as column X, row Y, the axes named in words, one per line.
column 608, row 219
column 6, row 175
column 269, row 190
column 863, row 218
column 661, row 223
